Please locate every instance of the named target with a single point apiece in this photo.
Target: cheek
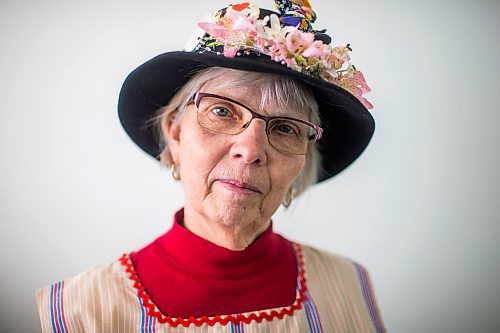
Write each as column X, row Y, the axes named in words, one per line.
column 286, row 173
column 199, row 154
column 294, row 167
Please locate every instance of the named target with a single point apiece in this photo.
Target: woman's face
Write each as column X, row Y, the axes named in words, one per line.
column 238, row 179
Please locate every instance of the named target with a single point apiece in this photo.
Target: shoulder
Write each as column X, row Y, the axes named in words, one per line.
column 99, row 278
column 82, row 301
column 325, row 267
column 334, row 265
column 342, row 286
column 320, row 257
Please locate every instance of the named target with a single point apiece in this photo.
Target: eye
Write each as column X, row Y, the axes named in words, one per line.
column 284, row 128
column 221, row 111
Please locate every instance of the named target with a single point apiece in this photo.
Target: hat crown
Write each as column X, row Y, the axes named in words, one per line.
column 287, row 37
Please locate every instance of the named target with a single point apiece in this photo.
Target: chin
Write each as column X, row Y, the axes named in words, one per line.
column 238, row 214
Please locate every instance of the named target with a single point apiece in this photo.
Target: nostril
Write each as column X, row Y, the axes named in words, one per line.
column 248, row 156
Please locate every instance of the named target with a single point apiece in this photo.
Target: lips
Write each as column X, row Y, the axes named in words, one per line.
column 238, row 185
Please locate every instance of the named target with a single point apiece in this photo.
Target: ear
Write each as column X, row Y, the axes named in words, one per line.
column 171, row 126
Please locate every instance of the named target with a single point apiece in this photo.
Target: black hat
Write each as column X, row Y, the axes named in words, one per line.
column 248, row 38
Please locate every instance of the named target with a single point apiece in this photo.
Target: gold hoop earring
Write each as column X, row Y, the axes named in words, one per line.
column 287, row 200
column 174, row 171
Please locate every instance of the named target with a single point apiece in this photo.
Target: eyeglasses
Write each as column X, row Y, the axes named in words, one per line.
column 227, row 116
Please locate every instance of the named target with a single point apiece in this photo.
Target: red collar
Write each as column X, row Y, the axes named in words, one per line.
column 188, row 252
column 186, row 275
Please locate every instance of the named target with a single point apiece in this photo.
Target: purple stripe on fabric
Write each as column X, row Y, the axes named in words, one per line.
column 369, row 299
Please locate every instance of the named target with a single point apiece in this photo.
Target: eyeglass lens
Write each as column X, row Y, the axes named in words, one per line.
column 222, row 116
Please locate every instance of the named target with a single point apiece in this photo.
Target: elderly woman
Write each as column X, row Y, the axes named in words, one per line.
column 237, row 121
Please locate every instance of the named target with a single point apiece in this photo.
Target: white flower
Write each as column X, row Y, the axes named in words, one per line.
column 275, row 32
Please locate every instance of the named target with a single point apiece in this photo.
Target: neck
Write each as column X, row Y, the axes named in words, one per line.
column 232, row 235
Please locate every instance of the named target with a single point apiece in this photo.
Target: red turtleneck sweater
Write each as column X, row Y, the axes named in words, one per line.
column 186, row 275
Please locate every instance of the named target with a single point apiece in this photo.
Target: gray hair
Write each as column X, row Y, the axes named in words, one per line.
column 275, row 91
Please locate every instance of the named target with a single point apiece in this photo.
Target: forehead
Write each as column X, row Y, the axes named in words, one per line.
column 263, row 98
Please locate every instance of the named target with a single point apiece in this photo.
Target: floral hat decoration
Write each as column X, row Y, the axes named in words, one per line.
column 246, row 37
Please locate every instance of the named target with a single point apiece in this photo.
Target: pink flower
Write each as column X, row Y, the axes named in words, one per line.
column 244, row 25
column 358, row 79
column 278, row 52
column 224, row 34
column 215, row 30
column 341, row 53
column 231, row 16
column 338, row 56
column 292, row 63
column 366, row 103
column 261, row 44
column 230, row 51
column 330, row 72
column 356, row 85
column 297, row 39
column 316, row 49
column 327, row 76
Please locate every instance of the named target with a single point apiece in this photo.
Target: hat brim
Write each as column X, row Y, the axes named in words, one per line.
column 348, row 126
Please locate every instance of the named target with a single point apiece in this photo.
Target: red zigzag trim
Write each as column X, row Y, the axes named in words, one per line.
column 257, row 316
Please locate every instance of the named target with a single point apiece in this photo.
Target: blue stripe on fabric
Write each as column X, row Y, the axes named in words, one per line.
column 54, row 329
column 306, row 309
column 150, row 328
column 59, row 312
column 365, row 288
column 231, row 325
column 142, row 314
column 313, row 312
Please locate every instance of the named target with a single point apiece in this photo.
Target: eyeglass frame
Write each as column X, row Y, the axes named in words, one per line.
column 199, row 95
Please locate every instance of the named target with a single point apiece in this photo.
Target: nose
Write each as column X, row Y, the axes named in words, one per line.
column 251, row 145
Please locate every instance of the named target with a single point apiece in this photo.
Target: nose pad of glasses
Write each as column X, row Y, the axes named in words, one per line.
column 245, row 125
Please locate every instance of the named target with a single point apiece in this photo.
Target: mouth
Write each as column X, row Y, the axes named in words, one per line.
column 239, row 186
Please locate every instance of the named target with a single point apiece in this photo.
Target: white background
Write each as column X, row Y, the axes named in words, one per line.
column 420, row 209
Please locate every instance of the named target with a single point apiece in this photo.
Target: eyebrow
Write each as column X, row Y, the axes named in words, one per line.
column 294, row 111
